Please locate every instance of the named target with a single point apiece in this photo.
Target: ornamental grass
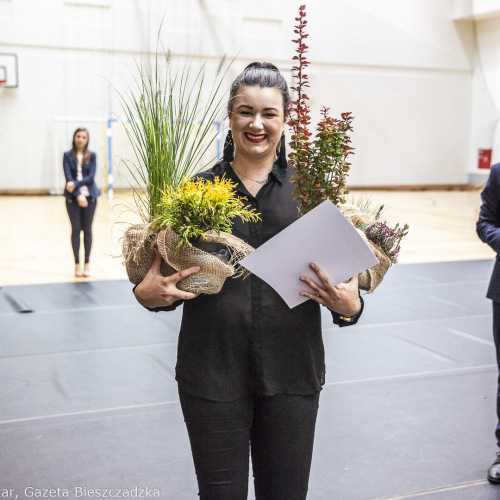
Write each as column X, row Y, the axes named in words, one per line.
column 172, row 114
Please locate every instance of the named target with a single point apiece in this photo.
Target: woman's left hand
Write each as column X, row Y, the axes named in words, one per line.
column 82, row 201
column 342, row 298
column 70, row 186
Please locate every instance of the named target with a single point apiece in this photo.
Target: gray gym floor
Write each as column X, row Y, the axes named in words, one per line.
column 88, row 397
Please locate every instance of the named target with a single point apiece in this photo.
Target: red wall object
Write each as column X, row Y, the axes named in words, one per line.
column 484, row 158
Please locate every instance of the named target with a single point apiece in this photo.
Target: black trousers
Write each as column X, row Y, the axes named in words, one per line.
column 81, row 220
column 279, row 432
column 496, row 337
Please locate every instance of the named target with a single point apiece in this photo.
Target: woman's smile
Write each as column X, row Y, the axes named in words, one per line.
column 255, row 138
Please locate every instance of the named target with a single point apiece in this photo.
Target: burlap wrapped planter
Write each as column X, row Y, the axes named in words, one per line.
column 138, row 253
column 213, row 272
column 371, row 278
column 139, row 242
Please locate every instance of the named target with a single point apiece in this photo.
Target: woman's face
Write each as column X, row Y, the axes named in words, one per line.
column 81, row 139
column 257, row 122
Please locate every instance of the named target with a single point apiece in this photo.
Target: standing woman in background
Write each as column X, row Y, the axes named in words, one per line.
column 81, row 193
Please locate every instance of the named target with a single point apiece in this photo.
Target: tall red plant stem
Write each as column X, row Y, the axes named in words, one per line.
column 320, row 167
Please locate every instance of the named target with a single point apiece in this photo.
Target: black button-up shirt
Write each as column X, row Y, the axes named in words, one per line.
column 245, row 339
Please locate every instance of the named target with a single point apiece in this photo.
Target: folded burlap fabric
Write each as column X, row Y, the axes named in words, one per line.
column 138, row 244
column 138, row 254
column 213, row 272
column 371, row 278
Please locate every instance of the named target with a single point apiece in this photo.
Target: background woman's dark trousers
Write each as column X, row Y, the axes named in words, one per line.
column 81, row 220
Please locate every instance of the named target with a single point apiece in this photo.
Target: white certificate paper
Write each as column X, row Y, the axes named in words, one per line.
column 323, row 236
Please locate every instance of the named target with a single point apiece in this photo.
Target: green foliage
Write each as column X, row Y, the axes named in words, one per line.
column 320, row 166
column 171, row 124
column 198, row 205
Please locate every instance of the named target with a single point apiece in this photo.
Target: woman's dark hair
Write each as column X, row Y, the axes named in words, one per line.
column 86, row 152
column 260, row 74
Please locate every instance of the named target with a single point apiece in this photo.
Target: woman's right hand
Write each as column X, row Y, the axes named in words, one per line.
column 156, row 290
column 70, row 186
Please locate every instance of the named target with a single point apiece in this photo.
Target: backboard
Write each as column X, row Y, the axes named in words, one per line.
column 9, row 74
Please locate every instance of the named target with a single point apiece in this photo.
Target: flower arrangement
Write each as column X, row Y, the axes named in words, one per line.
column 171, row 114
column 321, row 167
column 385, row 237
column 194, row 226
column 198, row 206
column 377, row 231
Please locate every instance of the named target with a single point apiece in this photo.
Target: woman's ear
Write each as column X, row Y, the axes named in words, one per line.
column 288, row 105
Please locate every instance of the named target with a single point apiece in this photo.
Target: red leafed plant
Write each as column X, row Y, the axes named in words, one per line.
column 320, row 165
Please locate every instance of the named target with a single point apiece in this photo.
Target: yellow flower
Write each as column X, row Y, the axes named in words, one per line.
column 198, row 205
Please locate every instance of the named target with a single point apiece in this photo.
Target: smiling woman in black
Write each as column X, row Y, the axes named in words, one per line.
column 249, row 368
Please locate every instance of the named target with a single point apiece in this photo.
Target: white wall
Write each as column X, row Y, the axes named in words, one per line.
column 484, row 15
column 403, row 67
column 486, row 130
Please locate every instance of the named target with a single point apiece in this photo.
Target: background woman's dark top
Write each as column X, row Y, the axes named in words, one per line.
column 246, row 340
column 70, row 166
